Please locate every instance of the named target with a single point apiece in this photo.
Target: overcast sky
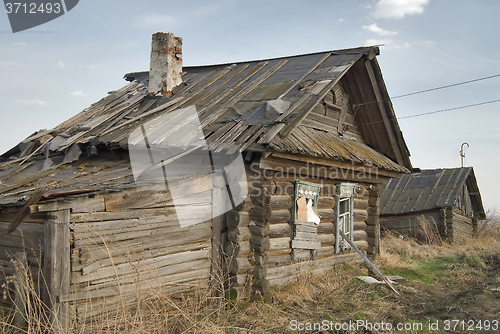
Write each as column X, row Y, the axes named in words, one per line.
column 53, row 71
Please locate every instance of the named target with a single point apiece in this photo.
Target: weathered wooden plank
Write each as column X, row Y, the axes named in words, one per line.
column 137, row 256
column 306, row 236
column 306, row 244
column 79, row 204
column 91, row 253
column 145, row 265
column 137, row 198
column 139, row 232
column 160, row 281
column 57, row 266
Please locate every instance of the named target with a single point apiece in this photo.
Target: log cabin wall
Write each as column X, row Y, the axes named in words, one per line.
column 269, row 224
column 459, row 227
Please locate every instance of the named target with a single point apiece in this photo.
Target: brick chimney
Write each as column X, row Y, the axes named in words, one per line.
column 165, row 72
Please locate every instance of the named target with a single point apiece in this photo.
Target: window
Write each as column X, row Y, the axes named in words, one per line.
column 344, row 219
column 304, row 218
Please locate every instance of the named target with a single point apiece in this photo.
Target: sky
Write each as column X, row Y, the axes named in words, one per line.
column 53, row 71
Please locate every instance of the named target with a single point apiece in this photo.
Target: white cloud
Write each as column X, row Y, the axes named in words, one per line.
column 61, row 65
column 38, row 103
column 20, row 44
column 388, row 43
column 376, row 29
column 396, row 9
column 76, row 95
column 156, row 21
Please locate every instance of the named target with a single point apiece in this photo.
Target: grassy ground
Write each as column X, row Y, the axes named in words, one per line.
column 442, row 284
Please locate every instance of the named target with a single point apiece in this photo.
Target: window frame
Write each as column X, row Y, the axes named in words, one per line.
column 344, row 193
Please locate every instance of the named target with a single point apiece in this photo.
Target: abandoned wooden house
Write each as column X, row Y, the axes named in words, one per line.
column 449, row 199
column 255, row 146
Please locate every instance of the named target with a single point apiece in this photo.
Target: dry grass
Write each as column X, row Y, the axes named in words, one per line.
column 434, row 274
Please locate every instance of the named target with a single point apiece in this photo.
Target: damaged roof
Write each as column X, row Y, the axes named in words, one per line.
column 247, row 106
column 430, row 189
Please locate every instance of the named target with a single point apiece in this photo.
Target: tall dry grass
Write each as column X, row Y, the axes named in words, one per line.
column 200, row 310
column 396, row 251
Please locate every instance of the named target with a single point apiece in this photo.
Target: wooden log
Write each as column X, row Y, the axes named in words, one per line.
column 373, row 211
column 360, row 203
column 239, row 234
column 359, row 235
column 259, row 272
column 359, row 226
column 326, row 202
column 362, row 245
column 280, row 230
column 259, row 230
column 245, row 205
column 282, row 243
column 260, row 196
column 326, row 239
column 359, row 215
column 279, row 188
column 372, row 220
column 374, row 201
column 326, row 214
column 259, row 244
column 260, row 213
column 371, row 231
column 281, row 202
column 238, row 265
column 280, row 216
column 235, row 218
column 328, row 227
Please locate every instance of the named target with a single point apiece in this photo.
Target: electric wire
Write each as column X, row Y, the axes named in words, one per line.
column 431, row 89
column 437, row 111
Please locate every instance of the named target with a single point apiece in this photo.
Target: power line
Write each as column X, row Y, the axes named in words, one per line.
column 447, row 86
column 450, row 109
column 430, row 90
column 437, row 111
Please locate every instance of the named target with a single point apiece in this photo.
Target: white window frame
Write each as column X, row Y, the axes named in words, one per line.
column 344, row 220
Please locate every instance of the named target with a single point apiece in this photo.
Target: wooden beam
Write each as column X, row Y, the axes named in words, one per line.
column 57, row 267
column 25, row 210
column 217, row 226
column 343, row 113
column 335, row 163
column 384, row 113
